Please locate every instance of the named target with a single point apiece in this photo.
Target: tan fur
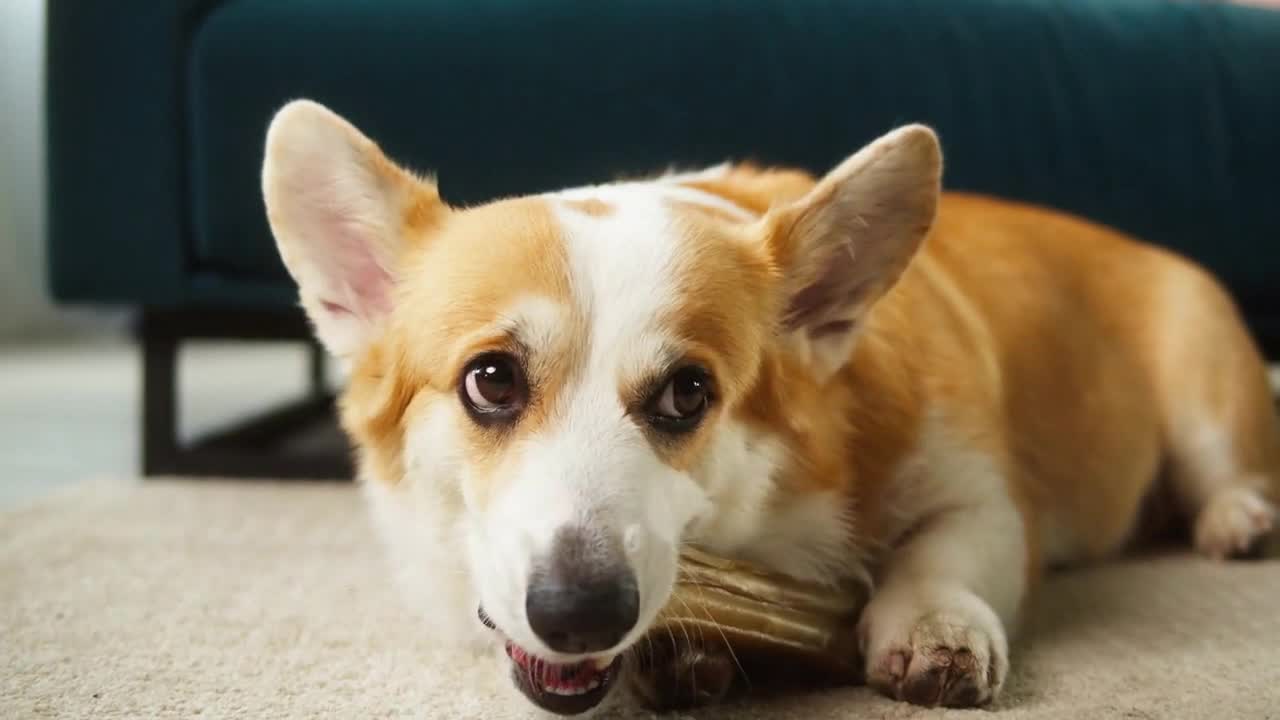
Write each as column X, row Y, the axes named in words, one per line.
column 1010, row 316
column 595, row 207
column 1096, row 374
column 524, row 259
column 754, row 188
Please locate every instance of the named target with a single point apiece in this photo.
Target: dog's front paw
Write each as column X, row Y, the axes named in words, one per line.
column 953, row 653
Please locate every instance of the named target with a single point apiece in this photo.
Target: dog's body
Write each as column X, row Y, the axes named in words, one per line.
column 852, row 376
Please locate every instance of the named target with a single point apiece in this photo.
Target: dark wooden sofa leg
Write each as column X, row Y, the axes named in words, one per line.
column 159, row 406
column 299, row 440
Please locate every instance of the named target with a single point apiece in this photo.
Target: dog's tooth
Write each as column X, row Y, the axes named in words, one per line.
column 602, row 663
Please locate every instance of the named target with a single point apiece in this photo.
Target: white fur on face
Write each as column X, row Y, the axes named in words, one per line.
column 593, row 469
column 422, row 521
column 808, row 537
column 591, row 465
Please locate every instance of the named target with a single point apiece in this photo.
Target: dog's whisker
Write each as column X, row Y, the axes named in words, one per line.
column 693, row 675
column 685, row 628
column 728, row 645
column 675, row 645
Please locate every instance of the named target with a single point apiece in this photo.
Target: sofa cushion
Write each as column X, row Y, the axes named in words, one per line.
column 1156, row 117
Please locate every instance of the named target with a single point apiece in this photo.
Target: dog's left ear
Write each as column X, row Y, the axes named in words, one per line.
column 843, row 245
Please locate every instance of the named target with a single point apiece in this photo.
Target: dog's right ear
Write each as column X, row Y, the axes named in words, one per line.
column 340, row 212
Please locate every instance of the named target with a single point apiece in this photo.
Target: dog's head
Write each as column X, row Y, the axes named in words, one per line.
column 569, row 383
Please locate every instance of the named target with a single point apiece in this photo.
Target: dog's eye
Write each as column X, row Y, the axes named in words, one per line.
column 683, row 400
column 493, row 385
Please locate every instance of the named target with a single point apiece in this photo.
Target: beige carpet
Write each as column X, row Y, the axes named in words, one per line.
column 192, row 599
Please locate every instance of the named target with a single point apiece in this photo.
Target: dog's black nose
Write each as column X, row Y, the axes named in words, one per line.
column 583, row 598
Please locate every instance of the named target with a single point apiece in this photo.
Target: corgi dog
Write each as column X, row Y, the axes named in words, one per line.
column 849, row 376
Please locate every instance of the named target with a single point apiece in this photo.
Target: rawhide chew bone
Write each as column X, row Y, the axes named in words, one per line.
column 732, row 628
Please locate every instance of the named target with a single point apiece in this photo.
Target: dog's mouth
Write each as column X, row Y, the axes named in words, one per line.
column 561, row 688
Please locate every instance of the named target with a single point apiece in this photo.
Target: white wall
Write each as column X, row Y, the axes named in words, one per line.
column 25, row 308
column 22, row 303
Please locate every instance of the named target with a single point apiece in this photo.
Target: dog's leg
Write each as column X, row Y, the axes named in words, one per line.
column 935, row 632
column 1222, row 433
column 1224, row 478
column 1234, row 519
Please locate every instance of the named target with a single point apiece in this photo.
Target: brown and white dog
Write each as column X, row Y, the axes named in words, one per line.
column 857, row 375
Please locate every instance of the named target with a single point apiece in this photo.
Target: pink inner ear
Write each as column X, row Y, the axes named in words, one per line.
column 839, row 289
column 334, row 308
column 371, row 285
column 361, row 285
column 809, row 303
column 837, row 327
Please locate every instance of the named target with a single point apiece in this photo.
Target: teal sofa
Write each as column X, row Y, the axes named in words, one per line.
column 1161, row 118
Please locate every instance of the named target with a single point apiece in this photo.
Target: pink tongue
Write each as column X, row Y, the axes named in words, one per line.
column 550, row 674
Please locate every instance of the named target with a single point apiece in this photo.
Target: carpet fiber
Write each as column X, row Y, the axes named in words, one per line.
column 184, row 599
